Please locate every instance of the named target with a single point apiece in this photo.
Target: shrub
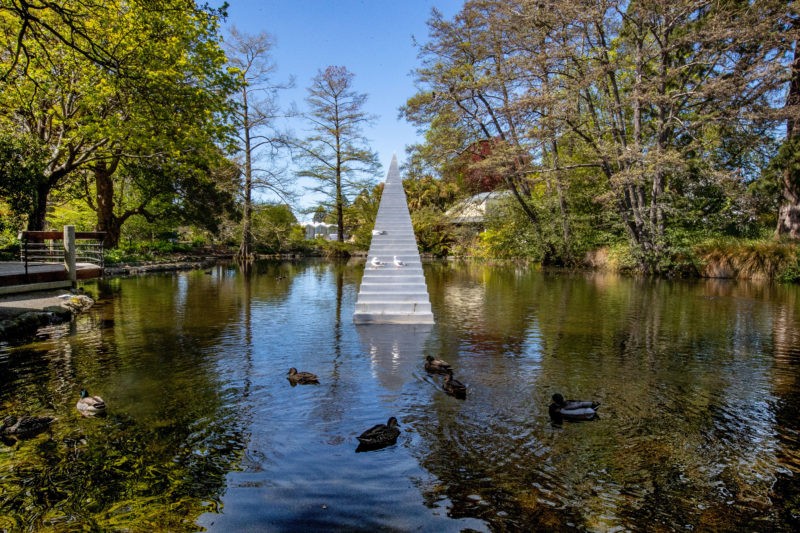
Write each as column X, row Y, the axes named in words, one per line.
column 753, row 259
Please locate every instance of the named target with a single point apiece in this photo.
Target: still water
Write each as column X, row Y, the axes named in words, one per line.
column 699, row 429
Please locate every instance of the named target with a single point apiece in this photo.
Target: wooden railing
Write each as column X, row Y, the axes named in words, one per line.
column 69, row 247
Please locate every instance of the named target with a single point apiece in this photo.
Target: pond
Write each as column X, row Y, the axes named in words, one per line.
column 698, row 428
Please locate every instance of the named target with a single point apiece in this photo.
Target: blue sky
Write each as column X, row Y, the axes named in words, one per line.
column 372, row 38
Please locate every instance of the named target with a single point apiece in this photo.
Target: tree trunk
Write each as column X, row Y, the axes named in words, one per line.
column 37, row 217
column 104, row 195
column 246, row 248
column 789, row 210
column 339, row 195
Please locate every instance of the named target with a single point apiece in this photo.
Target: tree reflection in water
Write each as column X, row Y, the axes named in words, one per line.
column 699, row 382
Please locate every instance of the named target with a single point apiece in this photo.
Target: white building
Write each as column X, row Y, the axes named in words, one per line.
column 320, row 230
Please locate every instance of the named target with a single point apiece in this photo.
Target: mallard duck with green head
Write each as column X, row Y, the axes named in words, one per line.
column 89, row 405
column 562, row 409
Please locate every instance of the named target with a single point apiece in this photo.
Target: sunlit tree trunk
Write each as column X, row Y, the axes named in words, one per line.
column 789, row 210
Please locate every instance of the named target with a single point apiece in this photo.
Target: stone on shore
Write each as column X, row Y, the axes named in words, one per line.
column 21, row 315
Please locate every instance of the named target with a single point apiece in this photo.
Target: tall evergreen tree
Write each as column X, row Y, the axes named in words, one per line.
column 336, row 153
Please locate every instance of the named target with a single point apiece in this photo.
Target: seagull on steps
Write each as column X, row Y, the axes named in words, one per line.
column 398, row 263
column 377, row 262
column 378, row 232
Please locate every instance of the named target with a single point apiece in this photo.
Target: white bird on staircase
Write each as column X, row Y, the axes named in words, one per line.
column 398, row 262
column 377, row 262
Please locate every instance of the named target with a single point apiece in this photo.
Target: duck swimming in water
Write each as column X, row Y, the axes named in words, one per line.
column 90, row 405
column 453, row 387
column 379, row 435
column 437, row 365
column 302, row 378
column 562, row 409
column 25, row 426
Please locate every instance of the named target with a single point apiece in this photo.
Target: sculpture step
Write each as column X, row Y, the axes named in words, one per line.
column 393, row 307
column 399, row 297
column 392, row 318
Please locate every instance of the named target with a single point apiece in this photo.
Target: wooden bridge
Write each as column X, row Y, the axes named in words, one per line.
column 52, row 260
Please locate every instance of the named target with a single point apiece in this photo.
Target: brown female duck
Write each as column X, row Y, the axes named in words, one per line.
column 453, row 387
column 437, row 365
column 302, row 378
column 25, row 426
column 380, row 435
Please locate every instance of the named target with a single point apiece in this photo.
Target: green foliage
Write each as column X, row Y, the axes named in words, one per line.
column 359, row 217
column 149, row 251
column 273, row 227
column 626, row 134
column 73, row 213
column 790, row 273
column 333, row 249
column 621, row 258
column 22, row 161
column 435, row 234
column 509, row 234
column 145, row 119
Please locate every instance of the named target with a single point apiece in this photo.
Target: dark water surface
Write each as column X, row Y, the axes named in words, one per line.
column 699, row 428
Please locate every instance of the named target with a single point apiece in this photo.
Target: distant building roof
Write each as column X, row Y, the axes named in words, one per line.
column 472, row 210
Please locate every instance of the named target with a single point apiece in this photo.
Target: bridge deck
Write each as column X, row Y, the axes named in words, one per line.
column 41, row 275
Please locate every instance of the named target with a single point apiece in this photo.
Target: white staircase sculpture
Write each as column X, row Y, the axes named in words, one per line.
column 393, row 289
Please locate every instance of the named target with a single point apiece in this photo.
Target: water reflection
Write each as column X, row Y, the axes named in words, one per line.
column 395, row 351
column 699, row 383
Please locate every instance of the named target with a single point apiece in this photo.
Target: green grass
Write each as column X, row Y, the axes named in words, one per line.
column 749, row 259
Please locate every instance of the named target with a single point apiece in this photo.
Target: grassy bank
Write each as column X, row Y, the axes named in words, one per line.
column 757, row 259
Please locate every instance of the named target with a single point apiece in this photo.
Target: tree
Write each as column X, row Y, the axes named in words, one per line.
column 113, row 138
column 30, row 23
column 255, row 116
column 657, row 100
column 789, row 209
column 21, row 165
column 336, row 153
column 273, row 225
column 360, row 216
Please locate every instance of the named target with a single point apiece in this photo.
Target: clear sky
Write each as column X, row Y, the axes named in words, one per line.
column 374, row 39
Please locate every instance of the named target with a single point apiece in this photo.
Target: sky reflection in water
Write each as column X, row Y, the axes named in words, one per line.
column 698, row 383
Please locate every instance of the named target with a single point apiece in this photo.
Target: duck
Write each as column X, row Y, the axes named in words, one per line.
column 398, row 262
column 25, row 426
column 90, row 405
column 303, row 378
column 453, row 387
column 376, row 262
column 437, row 365
column 380, row 435
column 562, row 409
